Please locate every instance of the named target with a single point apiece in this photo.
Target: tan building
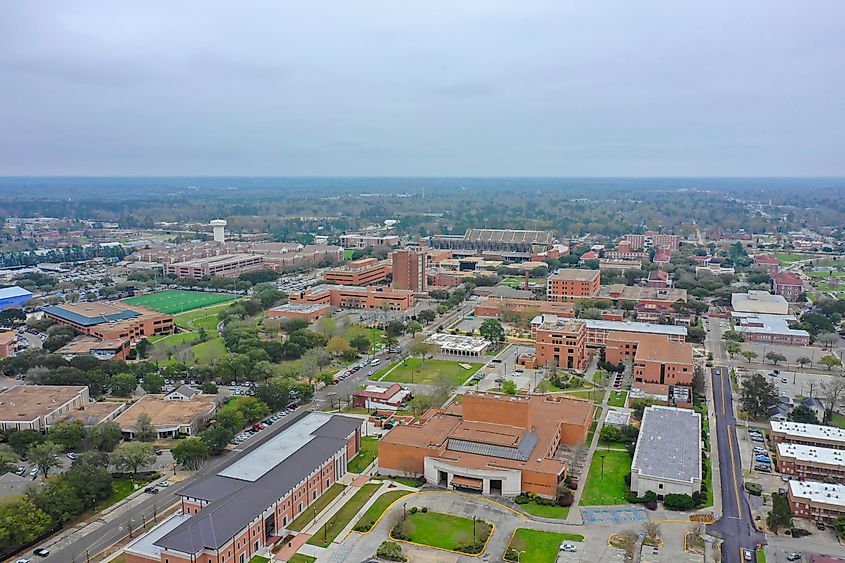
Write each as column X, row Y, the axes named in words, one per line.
column 571, row 284
column 409, row 269
column 655, row 358
column 111, row 320
column 367, row 271
column 503, row 306
column 658, row 296
column 356, row 297
column 38, row 407
column 227, row 266
column 171, row 415
column 309, row 312
column 8, row 343
column 364, row 241
column 491, row 443
column 561, row 343
column 91, row 346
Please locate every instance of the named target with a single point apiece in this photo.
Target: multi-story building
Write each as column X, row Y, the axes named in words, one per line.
column 504, row 244
column 811, row 463
column 231, row 515
column 504, row 306
column 568, row 284
column 8, row 343
column 598, row 329
column 770, row 264
column 658, row 279
column 38, row 407
column 759, row 302
column 276, row 255
column 111, row 320
column 491, row 443
column 788, row 285
column 561, row 342
column 356, row 297
column 814, row 435
column 360, row 241
column 367, row 271
column 817, row 501
column 409, row 269
column 667, row 459
column 772, row 329
column 619, row 293
column 655, row 358
column 652, row 239
column 227, row 266
column 309, row 312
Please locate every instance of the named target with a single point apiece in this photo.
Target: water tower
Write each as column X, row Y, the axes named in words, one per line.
column 219, row 227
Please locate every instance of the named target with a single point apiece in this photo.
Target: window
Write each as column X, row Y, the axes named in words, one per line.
column 660, row 486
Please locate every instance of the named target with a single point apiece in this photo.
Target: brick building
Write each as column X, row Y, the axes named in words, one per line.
column 788, row 285
column 770, row 264
column 817, row 501
column 501, row 306
column 111, row 320
column 569, row 284
column 814, row 435
column 561, row 342
column 356, row 297
column 8, row 343
column 229, row 516
column 409, row 269
column 367, row 271
column 811, row 463
column 38, row 407
column 652, row 239
column 656, row 359
column 491, row 443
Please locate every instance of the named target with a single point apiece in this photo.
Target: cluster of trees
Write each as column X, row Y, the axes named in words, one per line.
column 75, row 253
column 448, row 299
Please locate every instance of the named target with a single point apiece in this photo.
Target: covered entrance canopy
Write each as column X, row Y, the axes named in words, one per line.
column 468, row 483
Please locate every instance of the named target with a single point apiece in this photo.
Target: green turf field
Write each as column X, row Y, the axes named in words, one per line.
column 178, row 301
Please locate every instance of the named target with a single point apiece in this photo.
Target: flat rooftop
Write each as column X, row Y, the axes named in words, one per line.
column 632, row 326
column 145, row 545
column 25, row 403
column 220, row 259
column 93, row 413
column 812, row 454
column 573, row 274
column 809, row 431
column 459, row 342
column 769, row 324
column 90, row 314
column 85, row 344
column 822, row 493
column 166, row 414
column 299, row 308
column 669, row 444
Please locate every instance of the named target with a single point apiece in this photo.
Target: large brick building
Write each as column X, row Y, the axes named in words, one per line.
column 229, row 516
column 367, row 271
column 561, row 342
column 655, row 358
column 491, row 443
column 503, row 306
column 356, row 297
column 652, row 239
column 815, row 435
column 568, row 284
column 112, row 320
column 788, row 285
column 409, row 269
column 817, row 501
column 811, row 463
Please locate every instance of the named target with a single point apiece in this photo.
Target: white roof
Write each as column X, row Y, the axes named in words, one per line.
column 812, row 454
column 255, row 464
column 632, row 326
column 669, row 444
column 756, row 301
column 145, row 545
column 13, row 291
column 459, row 342
column 818, row 492
column 813, row 431
column 772, row 324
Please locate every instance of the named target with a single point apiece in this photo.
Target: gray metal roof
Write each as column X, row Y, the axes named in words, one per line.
column 221, row 520
column 82, row 320
column 522, row 452
column 669, row 444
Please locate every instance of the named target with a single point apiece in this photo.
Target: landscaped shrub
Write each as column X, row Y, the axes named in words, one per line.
column 521, row 499
column 391, row 551
column 651, row 505
column 674, row 501
column 424, row 509
column 566, row 500
column 755, row 489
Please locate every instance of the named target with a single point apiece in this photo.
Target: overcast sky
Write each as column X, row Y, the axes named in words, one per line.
column 428, row 88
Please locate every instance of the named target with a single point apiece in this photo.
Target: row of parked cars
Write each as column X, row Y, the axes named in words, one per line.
column 763, row 462
column 354, row 368
column 259, row 426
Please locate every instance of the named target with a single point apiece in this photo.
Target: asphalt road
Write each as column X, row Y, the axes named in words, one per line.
column 735, row 526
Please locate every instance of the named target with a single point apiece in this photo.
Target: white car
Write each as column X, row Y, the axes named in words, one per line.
column 165, row 484
column 568, row 547
column 33, row 472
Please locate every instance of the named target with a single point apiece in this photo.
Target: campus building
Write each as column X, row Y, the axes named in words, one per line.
column 309, row 312
column 657, row 296
column 367, row 271
column 598, row 329
column 561, row 342
column 814, row 435
column 491, row 443
column 182, row 412
column 811, row 463
column 667, row 459
column 117, row 349
column 231, row 515
column 276, row 255
column 227, row 266
column 409, row 269
column 652, row 239
column 13, row 296
column 38, row 407
column 506, row 306
column 356, row 297
column 504, row 244
column 458, row 344
column 759, row 302
column 771, row 329
column 8, row 343
column 655, row 358
column 111, row 320
column 788, row 285
column 379, row 397
column 568, row 284
column 769, row 264
column 817, row 501
column 359, row 241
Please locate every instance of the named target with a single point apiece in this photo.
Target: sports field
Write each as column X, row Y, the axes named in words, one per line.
column 178, row 301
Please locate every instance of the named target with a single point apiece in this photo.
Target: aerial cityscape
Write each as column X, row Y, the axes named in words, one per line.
column 335, row 283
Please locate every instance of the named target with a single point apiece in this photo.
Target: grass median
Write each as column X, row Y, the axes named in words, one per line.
column 536, row 546
column 319, row 505
column 331, row 529
column 606, row 478
column 371, row 516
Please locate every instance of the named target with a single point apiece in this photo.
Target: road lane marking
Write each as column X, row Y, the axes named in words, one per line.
column 733, row 469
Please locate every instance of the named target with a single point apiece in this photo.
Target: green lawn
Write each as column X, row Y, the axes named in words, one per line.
column 371, row 516
column 179, row 301
column 206, row 352
column 617, row 398
column 300, row 558
column 545, row 510
column 173, row 339
column 831, row 274
column 121, row 488
column 837, row 420
column 367, row 454
column 348, row 253
column 599, row 375
column 445, row 531
column 761, row 555
column 259, row 559
column 326, row 535
column 536, row 546
column 416, row 371
column 319, row 505
column 788, row 258
column 206, row 318
column 607, row 488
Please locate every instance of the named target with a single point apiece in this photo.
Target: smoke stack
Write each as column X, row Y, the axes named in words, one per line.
column 526, row 280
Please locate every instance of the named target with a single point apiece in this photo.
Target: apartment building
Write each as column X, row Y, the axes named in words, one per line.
column 788, row 285
column 230, row 515
column 811, row 463
column 814, row 435
column 568, row 284
column 655, row 358
column 359, row 241
column 817, row 501
column 356, row 297
column 227, row 266
column 493, row 444
column 111, row 320
column 561, row 342
column 409, row 269
column 652, row 239
column 367, row 271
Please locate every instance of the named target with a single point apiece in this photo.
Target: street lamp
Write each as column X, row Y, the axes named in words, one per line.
column 602, row 465
column 473, row 529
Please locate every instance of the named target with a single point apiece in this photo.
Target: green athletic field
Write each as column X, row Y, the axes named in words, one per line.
column 178, row 301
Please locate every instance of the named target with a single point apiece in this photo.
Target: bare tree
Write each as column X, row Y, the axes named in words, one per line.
column 832, row 393
column 652, row 532
column 627, row 540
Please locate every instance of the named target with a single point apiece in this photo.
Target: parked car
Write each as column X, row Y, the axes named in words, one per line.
column 763, row 468
column 151, row 490
column 41, row 552
column 793, row 556
column 20, row 470
column 33, row 472
column 820, row 526
column 763, row 459
column 164, row 484
column 71, row 456
column 783, row 380
column 747, row 555
column 568, row 547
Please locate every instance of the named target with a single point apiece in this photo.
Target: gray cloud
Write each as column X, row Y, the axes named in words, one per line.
column 423, row 88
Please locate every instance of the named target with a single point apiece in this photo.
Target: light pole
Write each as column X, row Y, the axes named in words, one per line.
column 473, row 529
column 602, row 465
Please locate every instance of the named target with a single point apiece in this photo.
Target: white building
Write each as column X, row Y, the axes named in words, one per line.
column 458, row 344
column 759, row 302
column 668, row 455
